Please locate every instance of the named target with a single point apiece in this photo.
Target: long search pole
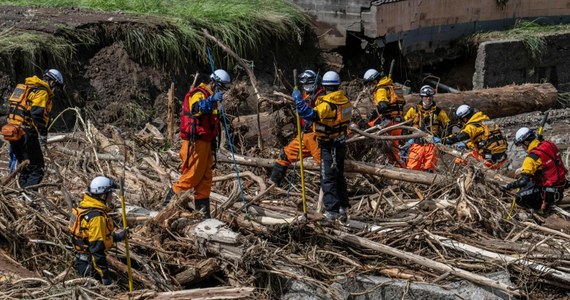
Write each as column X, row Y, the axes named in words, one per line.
column 300, row 135
column 123, row 210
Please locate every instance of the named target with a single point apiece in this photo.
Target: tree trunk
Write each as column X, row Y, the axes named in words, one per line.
column 497, row 102
column 199, row 272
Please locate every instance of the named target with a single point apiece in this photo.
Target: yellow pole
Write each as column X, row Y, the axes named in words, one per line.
column 129, row 271
column 300, row 135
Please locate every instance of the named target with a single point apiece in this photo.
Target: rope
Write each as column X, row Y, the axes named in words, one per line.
column 229, row 138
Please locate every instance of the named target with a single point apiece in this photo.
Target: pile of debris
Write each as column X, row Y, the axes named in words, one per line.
column 404, row 226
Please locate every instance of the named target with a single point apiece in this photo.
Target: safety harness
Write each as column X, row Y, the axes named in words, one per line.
column 490, row 140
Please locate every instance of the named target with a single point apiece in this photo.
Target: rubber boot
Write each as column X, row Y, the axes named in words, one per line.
column 278, row 173
column 203, row 205
column 168, row 197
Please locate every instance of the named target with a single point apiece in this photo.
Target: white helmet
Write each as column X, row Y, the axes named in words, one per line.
column 524, row 134
column 221, row 77
column 426, row 91
column 371, row 75
column 309, row 80
column 101, row 185
column 53, row 74
column 464, row 111
column 331, row 78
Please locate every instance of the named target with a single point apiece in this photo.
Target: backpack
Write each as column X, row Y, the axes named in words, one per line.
column 195, row 127
column 79, row 236
column 19, row 105
column 491, row 140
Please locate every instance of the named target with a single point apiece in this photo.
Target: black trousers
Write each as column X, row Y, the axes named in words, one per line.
column 333, row 182
column 534, row 197
column 29, row 148
column 84, row 266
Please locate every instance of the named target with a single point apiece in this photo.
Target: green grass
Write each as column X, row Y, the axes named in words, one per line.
column 31, row 49
column 245, row 26
column 531, row 34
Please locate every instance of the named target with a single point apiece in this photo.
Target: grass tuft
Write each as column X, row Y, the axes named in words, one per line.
column 248, row 27
column 531, row 34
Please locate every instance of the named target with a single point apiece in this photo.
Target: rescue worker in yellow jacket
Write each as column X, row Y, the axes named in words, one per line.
column 389, row 108
column 486, row 140
column 331, row 117
column 199, row 128
column 427, row 116
column 34, row 119
column 543, row 176
column 310, row 147
column 92, row 231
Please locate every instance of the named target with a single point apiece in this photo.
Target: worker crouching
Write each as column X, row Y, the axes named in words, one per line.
column 92, row 231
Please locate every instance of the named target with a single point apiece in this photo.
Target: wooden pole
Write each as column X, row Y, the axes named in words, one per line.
column 426, row 262
column 170, row 114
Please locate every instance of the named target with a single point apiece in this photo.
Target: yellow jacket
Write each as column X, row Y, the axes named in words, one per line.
column 197, row 97
column 380, row 93
column 40, row 105
column 531, row 163
column 100, row 232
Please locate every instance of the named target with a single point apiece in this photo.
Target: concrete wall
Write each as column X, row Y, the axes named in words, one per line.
column 423, row 24
column 501, row 63
column 334, row 18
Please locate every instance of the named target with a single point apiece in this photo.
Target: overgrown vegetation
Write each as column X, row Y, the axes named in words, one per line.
column 248, row 27
column 532, row 35
column 29, row 49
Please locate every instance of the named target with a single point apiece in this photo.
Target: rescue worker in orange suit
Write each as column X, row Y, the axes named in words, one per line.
column 34, row 119
column 543, row 176
column 486, row 140
column 95, row 233
column 389, row 107
column 331, row 117
column 199, row 128
column 290, row 153
column 423, row 155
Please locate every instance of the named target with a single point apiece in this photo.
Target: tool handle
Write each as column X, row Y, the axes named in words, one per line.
column 541, row 128
column 295, row 78
column 392, row 64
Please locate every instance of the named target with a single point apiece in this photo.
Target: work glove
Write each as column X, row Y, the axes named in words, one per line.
column 305, row 111
column 436, row 139
column 107, row 281
column 43, row 140
column 121, row 235
column 297, row 96
column 447, row 142
column 504, row 188
column 460, row 146
column 218, row 97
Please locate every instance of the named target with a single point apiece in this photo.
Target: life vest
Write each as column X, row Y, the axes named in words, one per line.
column 491, row 140
column 428, row 120
column 336, row 126
column 204, row 127
column 79, row 235
column 553, row 173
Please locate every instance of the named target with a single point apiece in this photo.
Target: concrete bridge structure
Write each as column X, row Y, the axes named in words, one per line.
column 432, row 26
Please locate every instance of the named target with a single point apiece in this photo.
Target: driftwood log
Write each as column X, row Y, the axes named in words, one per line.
column 497, row 102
